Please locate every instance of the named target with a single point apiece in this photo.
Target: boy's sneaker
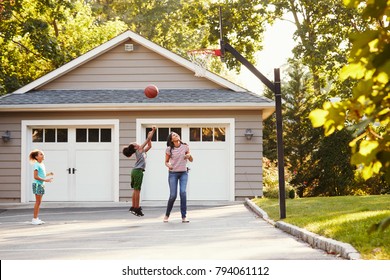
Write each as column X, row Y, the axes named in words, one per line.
column 138, row 211
column 133, row 211
column 36, row 222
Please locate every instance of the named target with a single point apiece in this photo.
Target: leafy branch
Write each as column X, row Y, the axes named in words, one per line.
column 369, row 107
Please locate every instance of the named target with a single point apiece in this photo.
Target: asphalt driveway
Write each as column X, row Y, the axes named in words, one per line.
column 226, row 232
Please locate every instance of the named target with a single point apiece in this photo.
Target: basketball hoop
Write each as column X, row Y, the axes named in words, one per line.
column 201, row 60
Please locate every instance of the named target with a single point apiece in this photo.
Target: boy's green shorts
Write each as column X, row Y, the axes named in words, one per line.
column 136, row 178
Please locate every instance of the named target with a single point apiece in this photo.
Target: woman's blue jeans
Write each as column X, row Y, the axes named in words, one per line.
column 173, row 179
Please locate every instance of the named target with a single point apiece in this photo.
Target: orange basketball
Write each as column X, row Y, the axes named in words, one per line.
column 151, row 91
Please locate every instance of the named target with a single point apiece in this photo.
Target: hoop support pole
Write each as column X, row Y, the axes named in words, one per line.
column 276, row 89
column 247, row 64
column 221, row 42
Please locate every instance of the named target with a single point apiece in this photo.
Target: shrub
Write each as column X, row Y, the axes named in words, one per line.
column 291, row 194
column 271, row 180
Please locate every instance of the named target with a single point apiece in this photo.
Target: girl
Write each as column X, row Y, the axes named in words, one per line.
column 176, row 156
column 36, row 157
column 137, row 173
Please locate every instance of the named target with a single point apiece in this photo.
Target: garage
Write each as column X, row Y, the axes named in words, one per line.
column 84, row 112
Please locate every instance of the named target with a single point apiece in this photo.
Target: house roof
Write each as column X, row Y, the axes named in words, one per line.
column 168, row 99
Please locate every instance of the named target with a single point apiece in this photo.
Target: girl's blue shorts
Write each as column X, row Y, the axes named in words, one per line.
column 38, row 189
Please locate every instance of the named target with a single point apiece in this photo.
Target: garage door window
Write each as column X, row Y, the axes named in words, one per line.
column 93, row 135
column 207, row 134
column 162, row 133
column 50, row 135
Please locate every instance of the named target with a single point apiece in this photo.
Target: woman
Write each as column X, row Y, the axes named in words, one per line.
column 176, row 156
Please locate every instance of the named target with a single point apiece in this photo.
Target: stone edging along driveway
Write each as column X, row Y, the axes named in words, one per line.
column 329, row 245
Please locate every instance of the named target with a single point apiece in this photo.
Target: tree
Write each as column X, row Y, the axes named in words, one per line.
column 300, row 137
column 332, row 173
column 39, row 36
column 322, row 34
column 367, row 112
column 298, row 99
column 169, row 23
column 310, row 157
column 183, row 25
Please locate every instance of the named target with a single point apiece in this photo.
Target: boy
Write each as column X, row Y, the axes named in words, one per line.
column 137, row 173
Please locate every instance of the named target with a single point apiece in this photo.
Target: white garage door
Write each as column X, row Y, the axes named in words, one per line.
column 210, row 175
column 81, row 159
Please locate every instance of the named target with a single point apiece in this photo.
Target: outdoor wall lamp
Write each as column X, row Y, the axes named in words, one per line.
column 248, row 134
column 6, row 136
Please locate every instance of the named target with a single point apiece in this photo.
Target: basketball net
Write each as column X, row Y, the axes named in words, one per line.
column 201, row 60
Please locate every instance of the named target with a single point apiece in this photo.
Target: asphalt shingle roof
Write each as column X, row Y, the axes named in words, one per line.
column 194, row 96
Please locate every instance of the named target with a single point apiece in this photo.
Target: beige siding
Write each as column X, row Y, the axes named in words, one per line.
column 248, row 164
column 248, row 154
column 10, row 160
column 118, row 69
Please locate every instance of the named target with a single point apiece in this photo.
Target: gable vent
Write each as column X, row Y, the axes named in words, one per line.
column 129, row 47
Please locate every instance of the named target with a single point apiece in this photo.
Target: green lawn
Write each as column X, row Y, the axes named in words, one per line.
column 343, row 218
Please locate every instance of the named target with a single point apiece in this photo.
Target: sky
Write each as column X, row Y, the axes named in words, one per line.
column 278, row 43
